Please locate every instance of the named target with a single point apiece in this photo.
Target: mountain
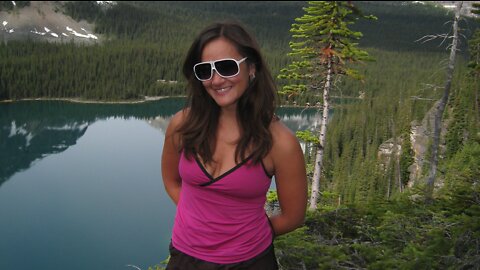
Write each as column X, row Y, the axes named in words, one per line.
column 44, row 20
column 138, row 47
column 399, row 23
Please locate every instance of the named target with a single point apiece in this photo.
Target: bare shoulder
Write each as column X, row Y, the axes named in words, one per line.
column 284, row 140
column 286, row 151
column 178, row 119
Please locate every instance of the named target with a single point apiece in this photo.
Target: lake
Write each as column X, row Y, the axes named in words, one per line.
column 81, row 186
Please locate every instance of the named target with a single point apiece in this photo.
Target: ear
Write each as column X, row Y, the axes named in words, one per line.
column 251, row 70
column 251, row 73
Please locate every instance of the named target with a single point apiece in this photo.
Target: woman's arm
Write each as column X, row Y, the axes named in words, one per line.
column 290, row 178
column 170, row 158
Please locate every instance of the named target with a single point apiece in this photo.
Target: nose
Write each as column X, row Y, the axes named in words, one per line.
column 216, row 78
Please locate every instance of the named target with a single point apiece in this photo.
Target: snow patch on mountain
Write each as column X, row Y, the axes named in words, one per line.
column 45, row 20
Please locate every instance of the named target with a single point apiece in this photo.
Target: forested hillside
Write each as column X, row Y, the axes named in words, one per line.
column 144, row 44
column 376, row 210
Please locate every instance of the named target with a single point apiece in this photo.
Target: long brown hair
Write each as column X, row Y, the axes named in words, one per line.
column 255, row 109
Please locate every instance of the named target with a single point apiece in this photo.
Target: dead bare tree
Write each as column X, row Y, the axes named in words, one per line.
column 442, row 104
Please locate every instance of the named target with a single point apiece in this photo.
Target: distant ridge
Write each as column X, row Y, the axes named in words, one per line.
column 45, row 20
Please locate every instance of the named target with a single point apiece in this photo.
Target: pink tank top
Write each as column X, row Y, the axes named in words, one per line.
column 222, row 220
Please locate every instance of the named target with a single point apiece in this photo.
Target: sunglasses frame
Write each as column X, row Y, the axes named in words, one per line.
column 212, row 68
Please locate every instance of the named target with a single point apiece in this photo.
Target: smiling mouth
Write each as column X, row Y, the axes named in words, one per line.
column 221, row 90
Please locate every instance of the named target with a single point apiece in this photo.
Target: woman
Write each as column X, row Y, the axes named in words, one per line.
column 220, row 154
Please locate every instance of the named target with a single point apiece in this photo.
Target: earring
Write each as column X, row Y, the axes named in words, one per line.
column 251, row 78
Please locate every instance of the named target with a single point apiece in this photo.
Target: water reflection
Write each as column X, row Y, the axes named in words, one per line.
column 294, row 118
column 99, row 205
column 300, row 119
column 32, row 130
column 159, row 122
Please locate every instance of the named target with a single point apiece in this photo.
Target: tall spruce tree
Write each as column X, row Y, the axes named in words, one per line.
column 323, row 47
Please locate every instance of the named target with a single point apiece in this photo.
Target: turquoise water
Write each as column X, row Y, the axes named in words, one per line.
column 81, row 186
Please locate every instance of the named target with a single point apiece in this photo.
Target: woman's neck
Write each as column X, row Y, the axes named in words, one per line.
column 228, row 126
column 228, row 114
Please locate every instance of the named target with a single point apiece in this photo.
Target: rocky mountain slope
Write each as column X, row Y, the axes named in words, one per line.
column 44, row 20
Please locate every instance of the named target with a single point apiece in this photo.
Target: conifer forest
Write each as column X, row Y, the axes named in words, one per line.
column 374, row 209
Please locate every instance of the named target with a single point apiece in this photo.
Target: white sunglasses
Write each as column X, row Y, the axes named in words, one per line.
column 226, row 68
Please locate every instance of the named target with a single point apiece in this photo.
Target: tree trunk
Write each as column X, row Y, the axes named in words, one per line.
column 476, row 75
column 441, row 106
column 323, row 132
column 388, row 186
column 396, row 155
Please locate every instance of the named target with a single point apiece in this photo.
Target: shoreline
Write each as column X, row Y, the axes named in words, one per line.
column 88, row 101
column 146, row 99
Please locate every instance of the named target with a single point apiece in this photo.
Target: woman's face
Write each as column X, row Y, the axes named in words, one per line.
column 225, row 91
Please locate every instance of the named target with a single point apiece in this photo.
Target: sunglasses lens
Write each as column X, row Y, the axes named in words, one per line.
column 226, row 68
column 203, row 71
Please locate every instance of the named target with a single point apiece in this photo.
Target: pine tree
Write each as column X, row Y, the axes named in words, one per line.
column 323, row 47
